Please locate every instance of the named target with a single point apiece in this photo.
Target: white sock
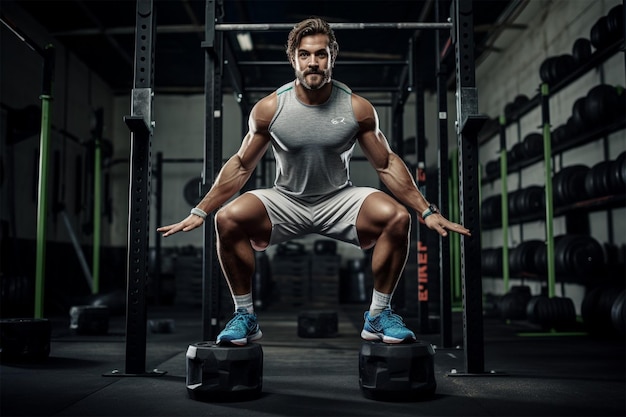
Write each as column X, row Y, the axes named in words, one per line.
column 380, row 302
column 244, row 301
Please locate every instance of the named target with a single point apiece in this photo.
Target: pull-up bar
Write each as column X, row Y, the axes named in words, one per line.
column 251, row 27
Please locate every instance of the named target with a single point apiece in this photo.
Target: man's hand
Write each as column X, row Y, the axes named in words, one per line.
column 191, row 222
column 440, row 224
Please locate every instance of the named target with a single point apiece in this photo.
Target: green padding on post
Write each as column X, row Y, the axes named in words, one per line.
column 42, row 205
column 455, row 239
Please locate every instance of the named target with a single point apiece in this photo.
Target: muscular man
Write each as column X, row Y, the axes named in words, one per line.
column 312, row 124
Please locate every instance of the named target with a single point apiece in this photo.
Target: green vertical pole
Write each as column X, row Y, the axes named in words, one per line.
column 97, row 207
column 504, row 170
column 547, row 157
column 42, row 188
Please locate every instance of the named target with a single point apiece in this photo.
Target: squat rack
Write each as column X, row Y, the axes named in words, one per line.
column 140, row 123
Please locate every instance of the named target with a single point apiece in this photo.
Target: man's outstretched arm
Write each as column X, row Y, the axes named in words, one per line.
column 237, row 170
column 392, row 171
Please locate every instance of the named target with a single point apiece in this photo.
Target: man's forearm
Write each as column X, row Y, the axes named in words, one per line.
column 228, row 182
column 399, row 181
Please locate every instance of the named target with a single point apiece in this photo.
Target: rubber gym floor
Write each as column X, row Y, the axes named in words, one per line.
column 540, row 375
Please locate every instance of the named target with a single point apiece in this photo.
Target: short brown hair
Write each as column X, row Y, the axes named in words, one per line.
column 307, row 27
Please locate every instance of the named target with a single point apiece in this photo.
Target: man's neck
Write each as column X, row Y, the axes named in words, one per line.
column 313, row 97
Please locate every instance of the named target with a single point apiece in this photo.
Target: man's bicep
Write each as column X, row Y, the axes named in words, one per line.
column 253, row 147
column 375, row 147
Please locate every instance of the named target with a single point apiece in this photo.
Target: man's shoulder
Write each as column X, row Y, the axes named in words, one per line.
column 285, row 88
column 264, row 109
column 342, row 87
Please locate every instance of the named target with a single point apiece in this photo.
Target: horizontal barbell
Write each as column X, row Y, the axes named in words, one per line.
column 247, row 27
column 252, row 27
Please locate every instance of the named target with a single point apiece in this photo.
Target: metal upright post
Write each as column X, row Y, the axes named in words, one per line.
column 211, row 272
column 469, row 123
column 445, row 293
column 158, row 216
column 422, row 232
column 140, row 124
column 97, row 203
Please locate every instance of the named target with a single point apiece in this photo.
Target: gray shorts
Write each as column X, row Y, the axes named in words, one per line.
column 334, row 216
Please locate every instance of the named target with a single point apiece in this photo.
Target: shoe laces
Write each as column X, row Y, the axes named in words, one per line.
column 388, row 317
column 239, row 319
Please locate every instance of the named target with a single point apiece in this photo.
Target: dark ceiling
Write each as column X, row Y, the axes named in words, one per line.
column 101, row 33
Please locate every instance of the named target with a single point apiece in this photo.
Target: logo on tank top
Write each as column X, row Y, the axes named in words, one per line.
column 338, row 120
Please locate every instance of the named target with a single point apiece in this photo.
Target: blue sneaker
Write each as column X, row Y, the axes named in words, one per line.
column 241, row 329
column 387, row 327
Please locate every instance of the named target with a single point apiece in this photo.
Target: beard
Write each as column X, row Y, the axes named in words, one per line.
column 323, row 75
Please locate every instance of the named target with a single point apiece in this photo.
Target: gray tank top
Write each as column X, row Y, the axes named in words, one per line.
column 313, row 144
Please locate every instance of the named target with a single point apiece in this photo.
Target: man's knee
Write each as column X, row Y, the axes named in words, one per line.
column 225, row 221
column 400, row 221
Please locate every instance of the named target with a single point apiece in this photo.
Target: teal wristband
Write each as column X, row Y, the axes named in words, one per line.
column 432, row 209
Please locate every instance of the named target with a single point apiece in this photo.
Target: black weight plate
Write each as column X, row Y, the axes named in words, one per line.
column 599, row 35
column 544, row 70
column 534, row 199
column 581, row 50
column 579, row 120
column 615, row 22
column 564, row 65
column 539, row 260
column 590, row 183
column 516, row 153
column 569, row 184
column 532, row 308
column 486, row 262
column 533, row 145
column 601, row 105
column 527, row 255
column 491, row 211
column 191, row 191
column 620, row 167
column 618, row 314
column 515, row 262
column 574, row 129
column 601, row 173
column 544, row 312
column 509, row 110
column 614, row 178
column 512, row 306
column 512, row 203
column 492, row 168
column 563, row 313
column 575, row 190
column 561, row 248
column 558, row 188
column 520, row 101
column 585, row 258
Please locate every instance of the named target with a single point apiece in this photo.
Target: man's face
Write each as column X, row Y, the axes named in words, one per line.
column 313, row 66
